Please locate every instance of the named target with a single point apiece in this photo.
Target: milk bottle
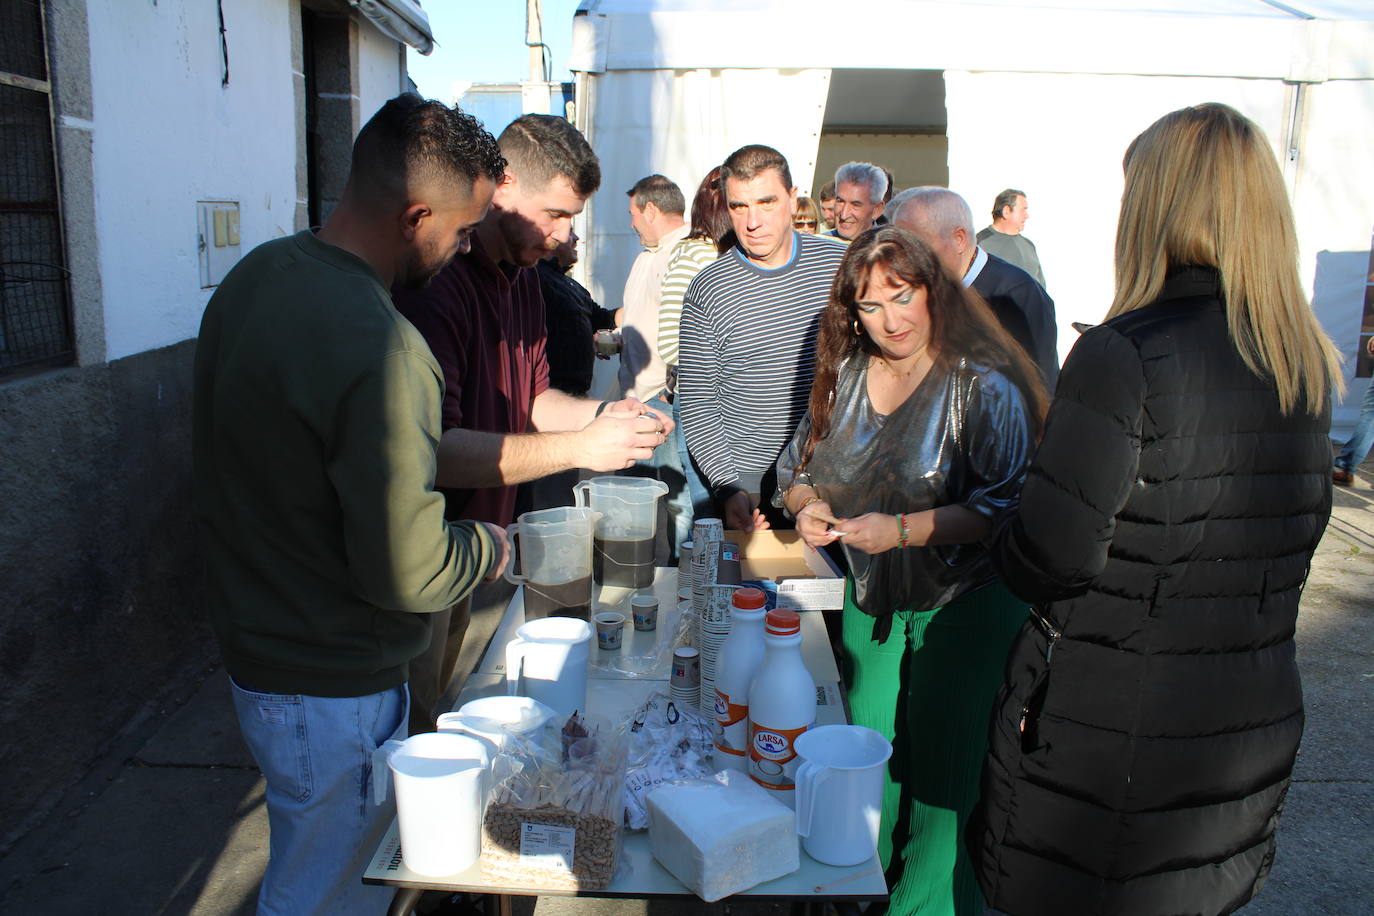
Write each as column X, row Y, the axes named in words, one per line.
column 739, row 661
column 782, row 705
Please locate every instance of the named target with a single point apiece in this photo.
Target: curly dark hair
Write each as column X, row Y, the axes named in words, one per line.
column 961, row 325
column 412, row 140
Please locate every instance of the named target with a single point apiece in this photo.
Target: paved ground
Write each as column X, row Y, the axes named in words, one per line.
column 172, row 821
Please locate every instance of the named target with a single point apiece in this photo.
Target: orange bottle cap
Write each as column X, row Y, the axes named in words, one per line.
column 748, row 598
column 782, row 622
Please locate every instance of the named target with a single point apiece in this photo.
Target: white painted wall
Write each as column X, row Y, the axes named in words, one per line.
column 380, row 75
column 166, row 134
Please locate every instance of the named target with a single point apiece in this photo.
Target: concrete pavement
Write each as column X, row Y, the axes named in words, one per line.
column 172, row 821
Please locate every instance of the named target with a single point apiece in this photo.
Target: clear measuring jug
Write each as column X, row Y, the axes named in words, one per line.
column 553, row 550
column 623, row 551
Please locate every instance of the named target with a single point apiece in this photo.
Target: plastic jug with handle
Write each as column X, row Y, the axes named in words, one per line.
column 495, row 720
column 623, row 552
column 547, row 661
column 840, row 792
column 441, row 782
column 554, row 547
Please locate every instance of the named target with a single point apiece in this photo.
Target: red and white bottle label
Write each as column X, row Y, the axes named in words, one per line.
column 732, row 726
column 773, row 755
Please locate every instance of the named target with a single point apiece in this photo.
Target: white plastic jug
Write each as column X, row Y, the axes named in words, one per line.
column 441, row 787
column 547, row 661
column 623, row 551
column 495, row 719
column 840, row 792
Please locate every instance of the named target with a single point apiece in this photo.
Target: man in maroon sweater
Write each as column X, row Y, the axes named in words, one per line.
column 483, row 317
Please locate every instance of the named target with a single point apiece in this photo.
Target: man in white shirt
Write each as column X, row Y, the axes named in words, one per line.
column 656, row 209
column 656, row 215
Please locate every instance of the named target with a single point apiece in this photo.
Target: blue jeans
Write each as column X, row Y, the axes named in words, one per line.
column 316, row 756
column 666, row 466
column 702, row 506
column 1356, row 449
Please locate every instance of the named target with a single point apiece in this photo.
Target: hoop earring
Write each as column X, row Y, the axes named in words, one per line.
column 858, row 332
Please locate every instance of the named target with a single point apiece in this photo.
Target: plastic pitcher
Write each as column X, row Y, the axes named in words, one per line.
column 554, row 551
column 495, row 719
column 547, row 661
column 441, row 786
column 623, row 552
column 840, row 792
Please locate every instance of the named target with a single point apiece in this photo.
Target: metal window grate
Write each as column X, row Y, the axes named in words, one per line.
column 21, row 39
column 35, row 321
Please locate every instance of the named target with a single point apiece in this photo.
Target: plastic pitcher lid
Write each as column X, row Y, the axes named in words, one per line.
column 748, row 598
column 782, row 622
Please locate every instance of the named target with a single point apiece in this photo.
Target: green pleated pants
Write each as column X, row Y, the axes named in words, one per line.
column 929, row 689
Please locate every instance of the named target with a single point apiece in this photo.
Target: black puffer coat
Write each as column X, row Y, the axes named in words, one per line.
column 1165, row 530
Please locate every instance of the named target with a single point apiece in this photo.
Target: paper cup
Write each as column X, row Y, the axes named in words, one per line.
column 610, row 630
column 644, row 610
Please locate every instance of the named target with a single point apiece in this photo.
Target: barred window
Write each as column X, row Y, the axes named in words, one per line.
column 35, row 315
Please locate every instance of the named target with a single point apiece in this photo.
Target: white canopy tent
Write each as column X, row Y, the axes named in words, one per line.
column 1042, row 95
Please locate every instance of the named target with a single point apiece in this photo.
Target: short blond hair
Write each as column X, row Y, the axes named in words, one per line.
column 1203, row 188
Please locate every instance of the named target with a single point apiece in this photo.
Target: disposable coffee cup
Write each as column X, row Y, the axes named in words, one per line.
column 607, row 342
column 644, row 610
column 684, row 565
column 686, row 668
column 610, row 629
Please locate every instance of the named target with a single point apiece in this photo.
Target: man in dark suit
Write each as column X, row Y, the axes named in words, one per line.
column 943, row 221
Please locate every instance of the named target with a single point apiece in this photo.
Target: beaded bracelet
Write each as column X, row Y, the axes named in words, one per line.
column 806, row 502
column 903, row 535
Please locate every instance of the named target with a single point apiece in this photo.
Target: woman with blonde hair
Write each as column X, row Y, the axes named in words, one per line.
column 1145, row 736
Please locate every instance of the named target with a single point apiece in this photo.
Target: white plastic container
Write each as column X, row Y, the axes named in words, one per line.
column 735, row 670
column 782, row 706
column 547, row 661
column 840, row 792
column 441, row 781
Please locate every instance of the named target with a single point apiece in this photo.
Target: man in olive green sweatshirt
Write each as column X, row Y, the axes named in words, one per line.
column 316, row 421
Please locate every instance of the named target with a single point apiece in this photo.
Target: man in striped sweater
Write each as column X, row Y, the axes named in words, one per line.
column 748, row 338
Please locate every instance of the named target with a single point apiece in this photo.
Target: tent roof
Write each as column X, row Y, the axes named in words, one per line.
column 1301, row 40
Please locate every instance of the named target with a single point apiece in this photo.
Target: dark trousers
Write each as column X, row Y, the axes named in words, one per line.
column 431, row 670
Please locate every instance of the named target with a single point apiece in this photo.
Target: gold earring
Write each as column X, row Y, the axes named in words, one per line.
column 858, row 332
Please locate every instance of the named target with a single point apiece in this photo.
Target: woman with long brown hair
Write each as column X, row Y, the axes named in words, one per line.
column 1145, row 737
column 923, row 417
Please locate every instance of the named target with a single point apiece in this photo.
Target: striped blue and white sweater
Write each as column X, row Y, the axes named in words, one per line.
column 748, row 353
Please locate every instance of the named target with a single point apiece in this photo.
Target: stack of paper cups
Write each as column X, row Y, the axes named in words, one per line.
column 684, row 609
column 712, row 628
column 707, row 533
column 684, row 685
column 684, row 564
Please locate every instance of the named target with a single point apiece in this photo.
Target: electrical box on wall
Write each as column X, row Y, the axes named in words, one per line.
column 217, row 222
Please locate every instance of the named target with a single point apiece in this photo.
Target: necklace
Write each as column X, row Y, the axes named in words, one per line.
column 907, row 374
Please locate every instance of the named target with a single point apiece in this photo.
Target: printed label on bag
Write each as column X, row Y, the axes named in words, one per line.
column 732, row 725
column 546, row 845
column 773, row 755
